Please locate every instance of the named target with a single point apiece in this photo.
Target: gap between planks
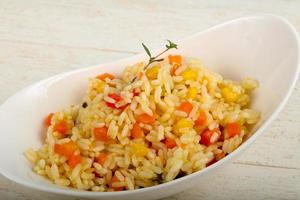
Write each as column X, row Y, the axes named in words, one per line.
column 68, row 47
column 263, row 165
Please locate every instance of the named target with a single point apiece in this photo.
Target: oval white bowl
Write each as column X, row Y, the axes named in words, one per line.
column 264, row 47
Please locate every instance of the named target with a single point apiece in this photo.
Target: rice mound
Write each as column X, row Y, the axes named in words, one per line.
column 173, row 145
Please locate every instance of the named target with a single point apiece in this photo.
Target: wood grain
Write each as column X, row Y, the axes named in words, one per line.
column 42, row 38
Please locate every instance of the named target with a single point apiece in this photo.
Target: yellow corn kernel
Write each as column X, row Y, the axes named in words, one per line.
column 99, row 86
column 152, row 72
column 191, row 93
column 139, row 149
column 205, row 79
column 190, row 74
column 229, row 95
column 183, row 123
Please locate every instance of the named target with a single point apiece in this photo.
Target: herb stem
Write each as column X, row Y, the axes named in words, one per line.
column 169, row 46
column 154, row 58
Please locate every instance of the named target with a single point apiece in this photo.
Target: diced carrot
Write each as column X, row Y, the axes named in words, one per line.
column 101, row 134
column 233, row 129
column 47, row 120
column 205, row 137
column 170, row 143
column 175, row 59
column 59, row 149
column 201, row 120
column 137, row 131
column 209, row 137
column 111, row 105
column 102, row 77
column 102, row 158
column 135, row 92
column 61, row 127
column 117, row 99
column 66, row 149
column 74, row 160
column 173, row 69
column 199, row 129
column 186, row 107
column 145, row 118
column 113, row 180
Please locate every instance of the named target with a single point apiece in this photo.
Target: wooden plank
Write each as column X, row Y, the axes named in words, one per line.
column 99, row 23
column 247, row 182
column 23, row 63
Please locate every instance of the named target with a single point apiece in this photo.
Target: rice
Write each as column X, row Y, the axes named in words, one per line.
column 126, row 136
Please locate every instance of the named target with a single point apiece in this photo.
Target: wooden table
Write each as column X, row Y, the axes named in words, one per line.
column 39, row 39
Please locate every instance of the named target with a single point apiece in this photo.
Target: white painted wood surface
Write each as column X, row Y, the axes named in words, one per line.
column 43, row 38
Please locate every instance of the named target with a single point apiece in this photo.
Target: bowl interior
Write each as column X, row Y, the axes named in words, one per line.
column 263, row 47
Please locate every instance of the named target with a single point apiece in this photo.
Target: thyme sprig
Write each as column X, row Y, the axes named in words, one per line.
column 170, row 45
column 152, row 59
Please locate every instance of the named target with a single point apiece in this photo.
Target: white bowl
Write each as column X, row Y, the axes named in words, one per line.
column 264, row 47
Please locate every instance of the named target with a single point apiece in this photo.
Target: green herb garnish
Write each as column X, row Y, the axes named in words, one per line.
column 152, row 59
column 170, row 45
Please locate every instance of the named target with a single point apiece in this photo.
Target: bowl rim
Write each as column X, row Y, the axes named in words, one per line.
column 241, row 148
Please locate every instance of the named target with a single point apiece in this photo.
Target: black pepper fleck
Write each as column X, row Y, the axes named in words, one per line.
column 84, row 105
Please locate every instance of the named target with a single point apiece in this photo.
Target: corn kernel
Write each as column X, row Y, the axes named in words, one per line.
column 191, row 93
column 229, row 95
column 183, row 123
column 190, row 74
column 152, row 72
column 100, row 86
column 139, row 149
column 205, row 80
